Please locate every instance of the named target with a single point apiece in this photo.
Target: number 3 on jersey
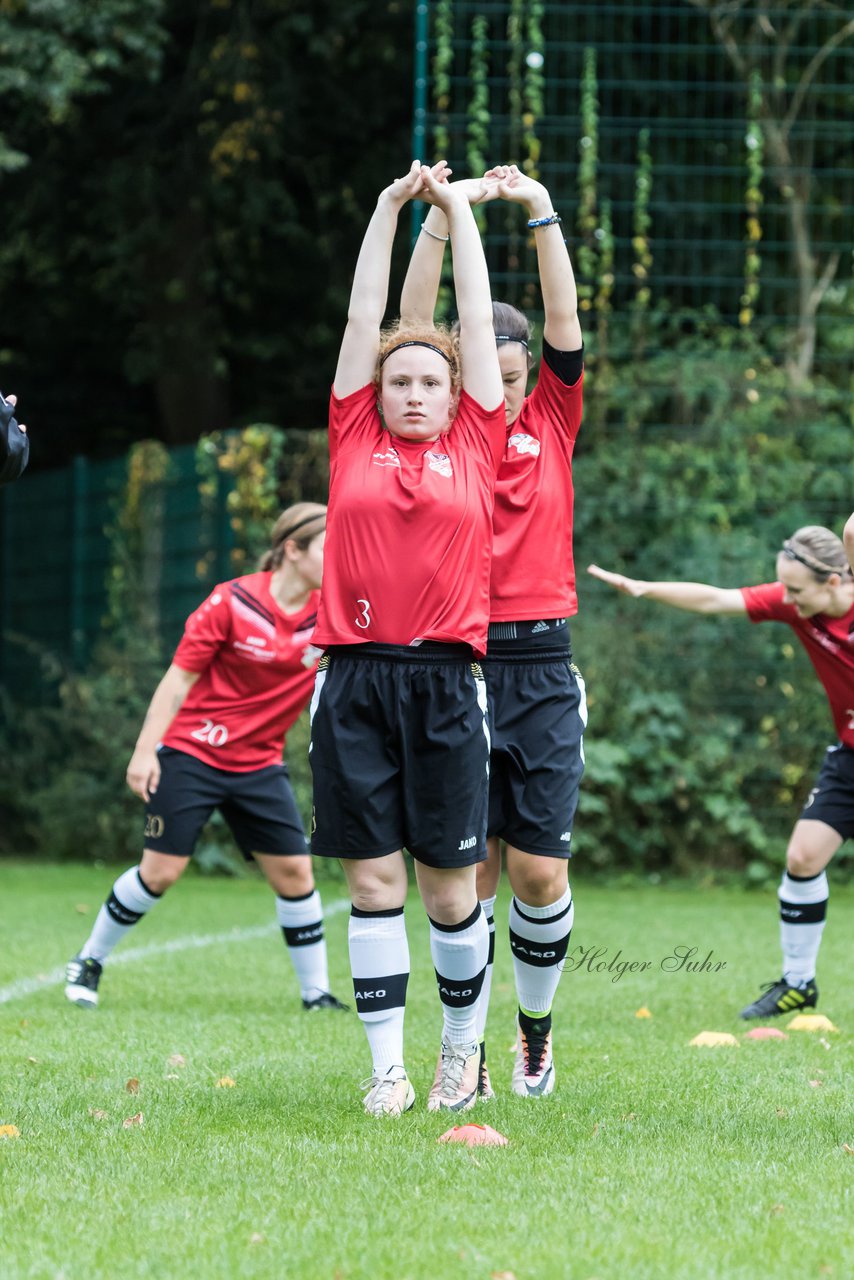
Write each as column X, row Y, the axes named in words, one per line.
column 363, row 619
column 215, row 734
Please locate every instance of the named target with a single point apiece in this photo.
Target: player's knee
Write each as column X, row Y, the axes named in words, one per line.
column 159, row 876
column 540, row 881
column 293, row 878
column 803, row 862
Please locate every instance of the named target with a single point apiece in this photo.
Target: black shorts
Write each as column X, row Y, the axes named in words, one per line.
column 538, row 713
column 400, row 754
column 258, row 806
column 832, row 798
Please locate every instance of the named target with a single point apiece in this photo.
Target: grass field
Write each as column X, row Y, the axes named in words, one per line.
column 651, row 1159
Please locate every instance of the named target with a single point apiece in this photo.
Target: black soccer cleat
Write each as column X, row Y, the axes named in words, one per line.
column 326, row 1000
column 82, row 975
column 779, row 997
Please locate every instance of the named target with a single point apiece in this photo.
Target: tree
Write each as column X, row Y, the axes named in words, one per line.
column 760, row 39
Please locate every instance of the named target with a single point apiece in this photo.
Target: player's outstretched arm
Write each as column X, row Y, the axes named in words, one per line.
column 848, row 539
column 562, row 329
column 143, row 772
column 369, row 294
column 696, row 597
column 481, row 374
column 424, row 274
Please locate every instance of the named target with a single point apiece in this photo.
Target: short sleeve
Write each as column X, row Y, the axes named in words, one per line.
column 556, row 402
column 765, row 603
column 205, row 631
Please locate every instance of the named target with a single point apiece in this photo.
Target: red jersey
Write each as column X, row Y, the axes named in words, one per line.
column 533, row 575
column 409, row 529
column 257, row 669
column 828, row 641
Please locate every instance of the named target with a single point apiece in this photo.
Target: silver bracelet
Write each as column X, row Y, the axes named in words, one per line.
column 428, row 232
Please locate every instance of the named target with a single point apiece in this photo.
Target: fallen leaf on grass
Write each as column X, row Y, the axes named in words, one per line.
column 642, row 1012
column 849, row 1151
column 225, row 1082
column 782, row 1113
column 776, row 1210
column 811, row 1022
column 176, row 1060
column 816, row 1084
column 133, row 1121
column 171, row 1075
column 82, row 908
column 713, row 1039
column 35, row 1061
column 825, row 1044
column 97, row 1114
column 9, row 1131
column 132, row 1085
column 502, row 1275
column 630, row 1115
column 257, row 1237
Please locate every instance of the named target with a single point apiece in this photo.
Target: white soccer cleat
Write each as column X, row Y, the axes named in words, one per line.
column 457, row 1075
column 388, row 1095
column 533, row 1069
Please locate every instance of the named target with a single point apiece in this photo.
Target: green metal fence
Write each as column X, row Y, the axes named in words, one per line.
column 746, row 118
column 55, row 559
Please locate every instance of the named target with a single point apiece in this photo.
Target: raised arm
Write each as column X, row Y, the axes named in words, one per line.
column 848, row 539
column 562, row 329
column 696, row 597
column 369, row 294
column 481, row 374
column 143, row 772
column 424, row 274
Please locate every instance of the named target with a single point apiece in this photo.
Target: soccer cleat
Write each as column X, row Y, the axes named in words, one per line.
column 779, row 998
column 326, row 1000
column 533, row 1069
column 388, row 1095
column 455, row 1087
column 485, row 1090
column 82, row 975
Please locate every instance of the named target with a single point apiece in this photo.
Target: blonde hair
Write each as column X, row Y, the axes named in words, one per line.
column 301, row 523
column 438, row 336
column 819, row 549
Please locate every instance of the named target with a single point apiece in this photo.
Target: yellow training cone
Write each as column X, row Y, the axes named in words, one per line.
column 711, row 1039
column 811, row 1022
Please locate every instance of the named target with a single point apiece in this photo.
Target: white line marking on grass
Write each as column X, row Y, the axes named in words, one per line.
column 56, row 977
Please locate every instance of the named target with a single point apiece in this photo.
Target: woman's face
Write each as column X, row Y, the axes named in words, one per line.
column 416, row 397
column 809, row 594
column 308, row 562
column 513, row 360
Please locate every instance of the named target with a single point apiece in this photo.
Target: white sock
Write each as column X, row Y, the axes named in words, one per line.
column 128, row 902
column 302, row 925
column 539, row 937
column 460, row 953
column 379, row 961
column 803, row 908
column 488, row 907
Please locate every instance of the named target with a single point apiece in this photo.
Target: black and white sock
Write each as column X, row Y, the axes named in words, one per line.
column 488, row 907
column 460, row 953
column 803, row 910
column 539, row 937
column 129, row 900
column 379, row 962
column 301, row 920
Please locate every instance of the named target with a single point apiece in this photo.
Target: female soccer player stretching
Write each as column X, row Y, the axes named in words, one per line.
column 814, row 594
column 213, row 739
column 536, row 696
column 399, row 743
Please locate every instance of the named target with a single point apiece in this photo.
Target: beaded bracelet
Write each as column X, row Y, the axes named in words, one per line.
column 428, row 232
column 552, row 219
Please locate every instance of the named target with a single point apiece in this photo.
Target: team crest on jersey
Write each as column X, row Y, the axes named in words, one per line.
column 439, row 462
column 523, row 443
column 388, row 459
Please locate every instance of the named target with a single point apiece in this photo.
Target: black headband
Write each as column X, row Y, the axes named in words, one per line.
column 505, row 337
column 289, row 533
column 415, row 343
column 815, row 566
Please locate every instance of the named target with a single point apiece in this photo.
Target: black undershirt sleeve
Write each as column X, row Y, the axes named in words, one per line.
column 14, row 445
column 566, row 365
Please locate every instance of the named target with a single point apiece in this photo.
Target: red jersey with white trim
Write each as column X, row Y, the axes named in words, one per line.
column 409, row 528
column 257, row 667
column 533, row 575
column 828, row 641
